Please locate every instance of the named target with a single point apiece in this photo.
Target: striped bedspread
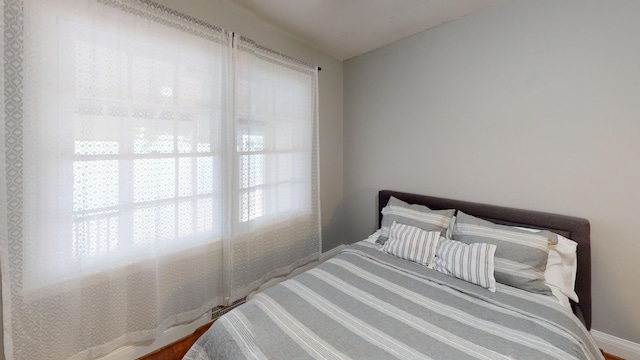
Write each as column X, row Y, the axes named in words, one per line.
column 365, row 304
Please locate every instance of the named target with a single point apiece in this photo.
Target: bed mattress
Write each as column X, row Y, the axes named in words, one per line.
column 366, row 304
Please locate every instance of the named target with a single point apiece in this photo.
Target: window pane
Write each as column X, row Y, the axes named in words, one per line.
column 153, row 179
column 153, row 225
column 205, row 215
column 185, row 219
column 251, row 170
column 207, row 129
column 95, row 184
column 248, row 142
column 185, row 178
column 285, row 197
column 285, row 167
column 96, row 147
column 94, row 234
column 205, row 175
column 251, row 205
column 153, row 139
column 185, row 143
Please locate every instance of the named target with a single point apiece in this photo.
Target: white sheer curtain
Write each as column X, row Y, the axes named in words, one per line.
column 277, row 187
column 147, row 173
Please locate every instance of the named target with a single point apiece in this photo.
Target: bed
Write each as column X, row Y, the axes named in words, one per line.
column 373, row 302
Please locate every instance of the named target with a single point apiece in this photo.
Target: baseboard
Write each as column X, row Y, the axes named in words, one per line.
column 331, row 253
column 616, row 346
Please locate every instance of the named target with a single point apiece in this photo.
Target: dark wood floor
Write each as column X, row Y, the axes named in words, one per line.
column 177, row 350
column 611, row 357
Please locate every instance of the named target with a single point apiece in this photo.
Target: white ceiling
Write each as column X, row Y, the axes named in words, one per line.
column 347, row 28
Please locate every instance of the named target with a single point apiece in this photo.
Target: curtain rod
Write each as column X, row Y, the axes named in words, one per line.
column 233, row 36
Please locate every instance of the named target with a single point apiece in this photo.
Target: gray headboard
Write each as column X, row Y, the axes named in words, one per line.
column 577, row 229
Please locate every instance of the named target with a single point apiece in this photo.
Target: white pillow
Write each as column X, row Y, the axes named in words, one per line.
column 562, row 266
column 411, row 243
column 561, row 297
column 473, row 263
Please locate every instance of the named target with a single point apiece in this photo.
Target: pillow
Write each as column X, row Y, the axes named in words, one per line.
column 521, row 256
column 373, row 237
column 419, row 216
column 450, row 228
column 411, row 243
column 561, row 297
column 562, row 266
column 470, row 262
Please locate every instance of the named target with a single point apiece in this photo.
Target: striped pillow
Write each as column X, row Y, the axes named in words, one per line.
column 470, row 262
column 419, row 216
column 410, row 243
column 521, row 256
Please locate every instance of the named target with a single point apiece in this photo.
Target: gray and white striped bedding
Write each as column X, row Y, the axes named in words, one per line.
column 365, row 304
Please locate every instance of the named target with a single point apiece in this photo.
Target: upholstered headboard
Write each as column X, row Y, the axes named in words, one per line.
column 577, row 229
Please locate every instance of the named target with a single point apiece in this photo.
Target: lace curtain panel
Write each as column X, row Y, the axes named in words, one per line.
column 153, row 167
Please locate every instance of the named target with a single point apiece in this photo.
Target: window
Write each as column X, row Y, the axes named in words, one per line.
column 156, row 182
column 252, row 175
column 273, row 140
column 144, row 138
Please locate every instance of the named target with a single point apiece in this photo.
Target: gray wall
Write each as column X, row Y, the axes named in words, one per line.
column 530, row 104
column 230, row 17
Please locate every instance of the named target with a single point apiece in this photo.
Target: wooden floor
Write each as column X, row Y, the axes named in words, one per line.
column 611, row 357
column 177, row 350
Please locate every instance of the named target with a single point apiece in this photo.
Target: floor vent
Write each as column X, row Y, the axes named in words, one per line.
column 218, row 311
